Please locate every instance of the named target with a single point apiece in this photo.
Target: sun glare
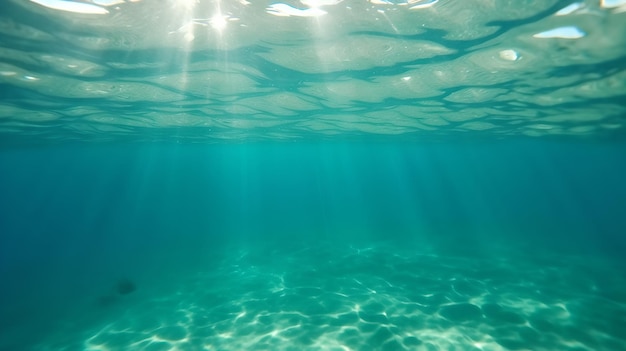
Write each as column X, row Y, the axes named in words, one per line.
column 218, row 22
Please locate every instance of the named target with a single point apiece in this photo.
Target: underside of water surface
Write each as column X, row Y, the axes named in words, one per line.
column 223, row 71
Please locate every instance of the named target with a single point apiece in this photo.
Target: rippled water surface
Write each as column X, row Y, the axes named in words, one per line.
column 238, row 70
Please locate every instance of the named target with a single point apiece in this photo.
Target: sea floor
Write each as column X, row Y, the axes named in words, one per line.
column 378, row 297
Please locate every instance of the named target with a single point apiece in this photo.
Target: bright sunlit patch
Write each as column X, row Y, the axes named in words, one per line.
column 318, row 3
column 570, row 32
column 107, row 2
column 218, row 22
column 612, row 3
column 70, row 6
column 569, row 9
column 285, row 10
column 509, row 55
column 422, row 4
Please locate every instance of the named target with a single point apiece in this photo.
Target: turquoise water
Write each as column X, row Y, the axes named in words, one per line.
column 316, row 175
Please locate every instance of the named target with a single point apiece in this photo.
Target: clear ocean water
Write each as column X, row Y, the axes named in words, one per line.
column 313, row 175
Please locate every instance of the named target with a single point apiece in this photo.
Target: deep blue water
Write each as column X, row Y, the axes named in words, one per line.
column 112, row 191
column 78, row 218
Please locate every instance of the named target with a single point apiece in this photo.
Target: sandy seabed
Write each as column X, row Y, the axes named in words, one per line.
column 372, row 298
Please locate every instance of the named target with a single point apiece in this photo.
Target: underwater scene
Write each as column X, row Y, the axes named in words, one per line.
column 312, row 175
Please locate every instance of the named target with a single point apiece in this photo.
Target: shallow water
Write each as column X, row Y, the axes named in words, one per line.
column 340, row 246
column 339, row 176
column 379, row 297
